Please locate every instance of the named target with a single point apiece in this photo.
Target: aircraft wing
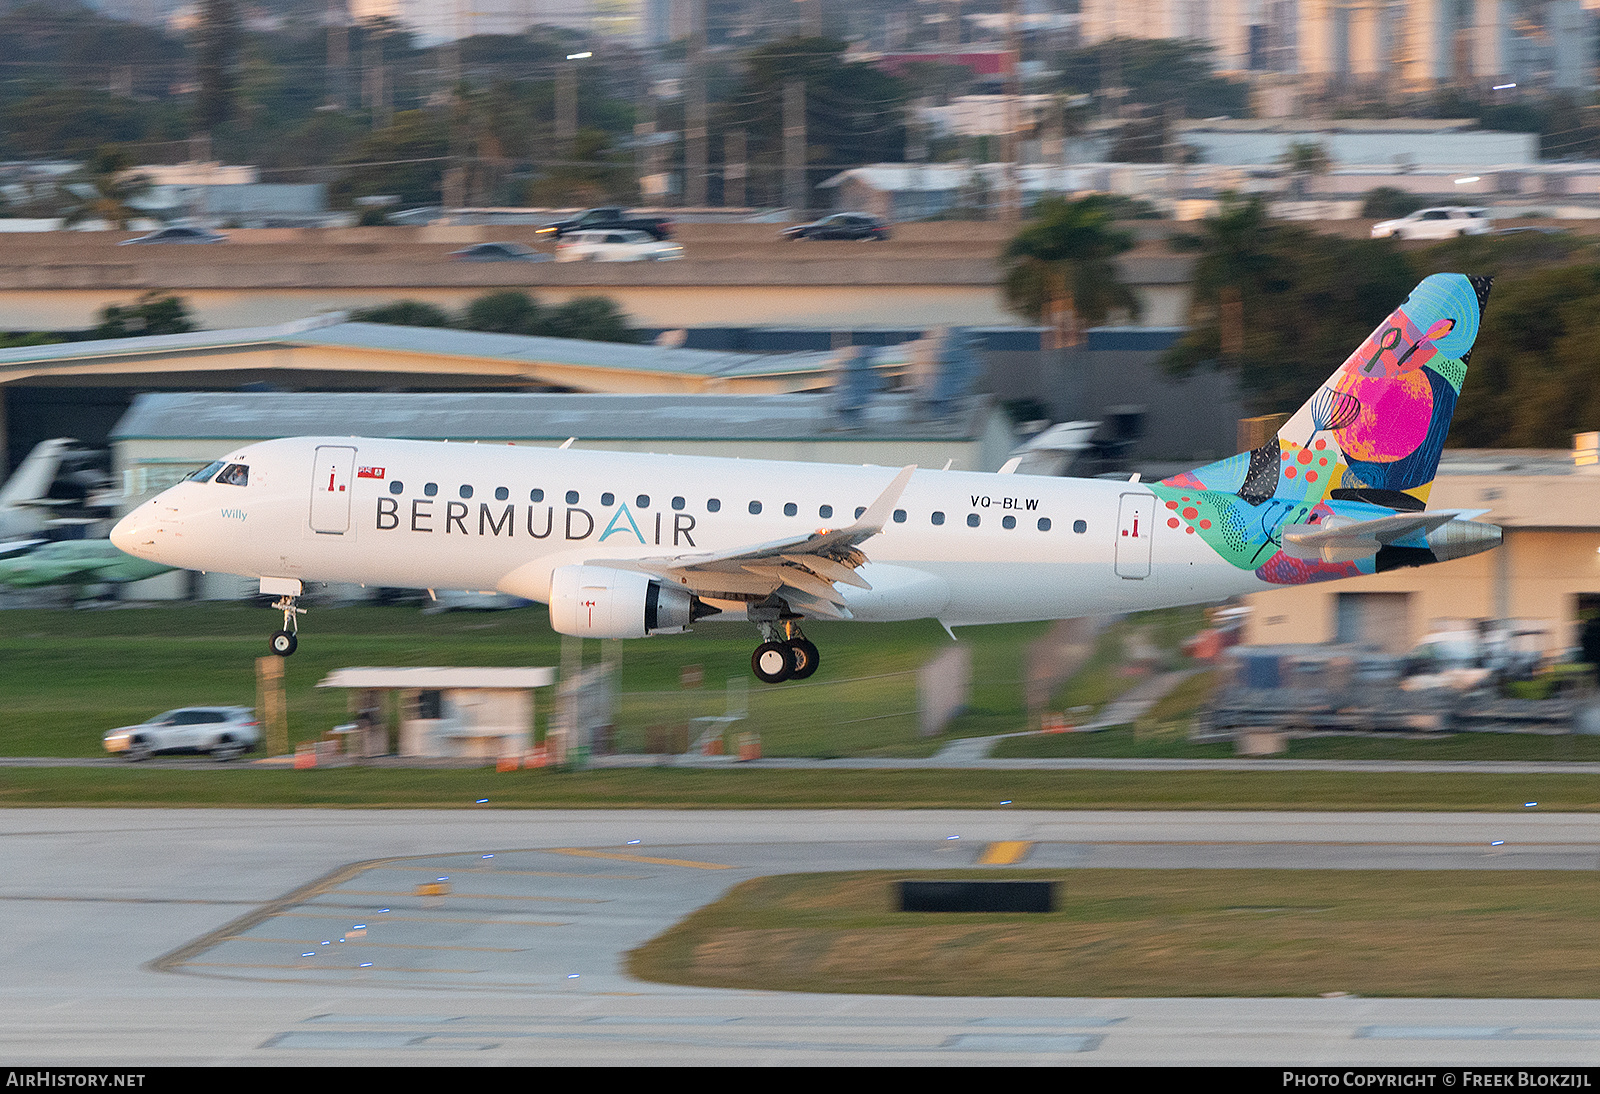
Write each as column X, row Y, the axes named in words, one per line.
column 803, row 568
column 1339, row 539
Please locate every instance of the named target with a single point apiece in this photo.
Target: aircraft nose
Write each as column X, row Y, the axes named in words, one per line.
column 135, row 534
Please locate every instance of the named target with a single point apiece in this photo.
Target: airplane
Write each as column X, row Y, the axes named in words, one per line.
column 624, row 545
column 74, row 562
column 26, row 505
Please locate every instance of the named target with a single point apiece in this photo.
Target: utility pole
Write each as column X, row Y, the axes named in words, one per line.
column 338, row 53
column 644, row 141
column 733, row 168
column 694, row 120
column 1010, row 198
column 566, row 104
column 794, row 148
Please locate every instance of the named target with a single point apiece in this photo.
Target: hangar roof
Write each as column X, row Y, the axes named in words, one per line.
column 334, row 343
column 508, row 416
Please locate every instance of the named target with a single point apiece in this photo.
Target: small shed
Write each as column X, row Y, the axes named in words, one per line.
column 463, row 713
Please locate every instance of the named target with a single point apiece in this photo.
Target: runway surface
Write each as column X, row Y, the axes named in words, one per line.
column 142, row 937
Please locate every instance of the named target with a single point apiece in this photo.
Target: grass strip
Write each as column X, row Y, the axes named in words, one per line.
column 1162, row 933
column 747, row 788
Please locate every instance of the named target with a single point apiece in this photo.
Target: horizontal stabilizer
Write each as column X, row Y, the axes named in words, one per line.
column 1339, row 539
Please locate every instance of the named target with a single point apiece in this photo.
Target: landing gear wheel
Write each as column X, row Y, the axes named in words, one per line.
column 283, row 643
column 773, row 662
column 805, row 657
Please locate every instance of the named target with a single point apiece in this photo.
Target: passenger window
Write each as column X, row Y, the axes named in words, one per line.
column 501, row 493
column 1008, row 522
column 1044, row 524
column 205, row 473
column 608, row 499
column 235, row 474
column 755, row 507
column 713, row 505
column 859, row 510
column 535, row 494
column 572, row 497
column 899, row 516
column 1080, row 526
column 825, row 511
column 677, row 503
column 972, row 520
column 431, row 489
column 465, row 492
column 397, row 487
column 938, row 517
column 642, row 501
column 790, row 509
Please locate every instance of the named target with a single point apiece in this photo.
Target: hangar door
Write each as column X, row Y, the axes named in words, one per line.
column 330, row 489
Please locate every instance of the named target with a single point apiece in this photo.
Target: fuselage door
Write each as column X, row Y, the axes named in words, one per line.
column 330, row 489
column 1135, row 527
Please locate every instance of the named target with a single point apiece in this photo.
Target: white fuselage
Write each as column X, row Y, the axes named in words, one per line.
column 501, row 517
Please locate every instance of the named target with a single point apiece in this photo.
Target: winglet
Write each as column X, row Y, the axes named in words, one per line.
column 872, row 521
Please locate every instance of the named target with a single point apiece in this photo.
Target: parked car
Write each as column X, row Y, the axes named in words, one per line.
column 499, row 252
column 609, row 217
column 1441, row 222
column 224, row 732
column 178, row 235
column 615, row 247
column 840, row 226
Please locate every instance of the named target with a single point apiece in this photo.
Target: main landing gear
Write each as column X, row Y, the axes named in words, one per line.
column 283, row 642
column 786, row 654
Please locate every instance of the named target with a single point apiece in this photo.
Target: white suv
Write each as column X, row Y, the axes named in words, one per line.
column 1440, row 222
column 224, row 732
column 615, row 245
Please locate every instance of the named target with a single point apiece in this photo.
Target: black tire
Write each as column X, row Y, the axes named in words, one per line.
column 138, row 751
column 805, row 657
column 282, row 643
column 773, row 663
column 227, row 749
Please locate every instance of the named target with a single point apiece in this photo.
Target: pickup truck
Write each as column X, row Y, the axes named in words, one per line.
column 609, row 217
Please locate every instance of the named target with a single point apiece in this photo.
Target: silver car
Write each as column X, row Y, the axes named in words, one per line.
column 224, row 732
column 1440, row 222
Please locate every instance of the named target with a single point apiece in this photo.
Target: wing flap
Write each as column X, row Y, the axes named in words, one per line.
column 803, row 569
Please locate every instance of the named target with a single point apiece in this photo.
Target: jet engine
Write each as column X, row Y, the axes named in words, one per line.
column 600, row 602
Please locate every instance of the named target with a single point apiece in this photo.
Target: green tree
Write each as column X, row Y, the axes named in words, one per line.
column 406, row 159
column 509, row 312
column 405, row 313
column 153, row 314
column 106, row 190
column 1281, row 305
column 1388, row 203
column 1061, row 267
column 1157, row 73
column 217, row 46
column 1304, row 160
column 854, row 111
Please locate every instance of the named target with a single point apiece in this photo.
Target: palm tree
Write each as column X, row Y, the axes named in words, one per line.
column 1235, row 256
column 105, row 190
column 1062, row 268
column 1304, row 160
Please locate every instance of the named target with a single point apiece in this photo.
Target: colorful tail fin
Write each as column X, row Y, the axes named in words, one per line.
column 1370, row 437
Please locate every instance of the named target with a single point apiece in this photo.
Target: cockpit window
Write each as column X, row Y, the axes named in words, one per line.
column 235, row 474
column 205, row 473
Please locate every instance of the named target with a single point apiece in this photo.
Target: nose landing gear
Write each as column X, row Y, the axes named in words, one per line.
column 786, row 654
column 284, row 642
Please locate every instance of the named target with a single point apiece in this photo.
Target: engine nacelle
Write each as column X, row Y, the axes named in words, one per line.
column 600, row 602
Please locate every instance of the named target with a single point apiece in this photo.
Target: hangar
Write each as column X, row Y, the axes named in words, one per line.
column 80, row 389
column 1545, row 575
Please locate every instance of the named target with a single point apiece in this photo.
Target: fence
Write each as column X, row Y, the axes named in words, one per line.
column 814, row 718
